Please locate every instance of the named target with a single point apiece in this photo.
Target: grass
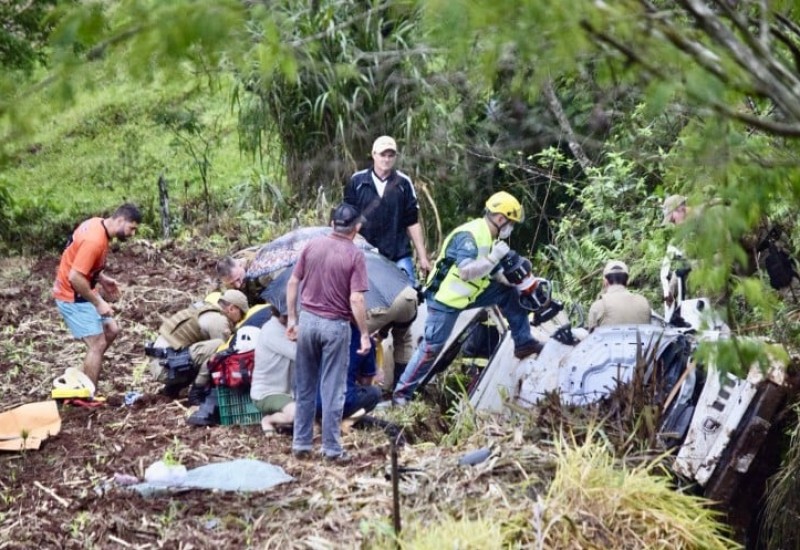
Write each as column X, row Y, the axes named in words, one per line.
column 543, row 495
column 596, row 500
column 783, row 493
column 463, row 534
column 111, row 145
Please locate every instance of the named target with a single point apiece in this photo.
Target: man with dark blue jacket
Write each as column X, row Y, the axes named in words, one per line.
column 388, row 202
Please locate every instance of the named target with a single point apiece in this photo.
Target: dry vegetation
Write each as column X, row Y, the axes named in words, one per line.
column 536, row 490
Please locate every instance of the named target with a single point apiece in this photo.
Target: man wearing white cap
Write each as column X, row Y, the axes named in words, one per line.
column 387, row 200
column 616, row 304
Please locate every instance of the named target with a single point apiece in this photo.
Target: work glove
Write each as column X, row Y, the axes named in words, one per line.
column 498, row 252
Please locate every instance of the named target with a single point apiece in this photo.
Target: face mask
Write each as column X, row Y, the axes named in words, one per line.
column 505, row 231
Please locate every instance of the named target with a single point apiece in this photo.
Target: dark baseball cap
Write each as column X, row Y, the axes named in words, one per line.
column 346, row 215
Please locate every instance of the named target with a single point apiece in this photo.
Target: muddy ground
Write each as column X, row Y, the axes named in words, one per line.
column 63, row 495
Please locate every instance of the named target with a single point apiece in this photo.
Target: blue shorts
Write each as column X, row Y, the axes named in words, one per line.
column 81, row 318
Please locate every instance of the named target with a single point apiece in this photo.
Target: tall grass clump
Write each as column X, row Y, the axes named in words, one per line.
column 596, row 501
column 463, row 534
column 358, row 73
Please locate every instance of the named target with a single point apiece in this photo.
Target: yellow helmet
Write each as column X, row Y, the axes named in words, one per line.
column 505, row 204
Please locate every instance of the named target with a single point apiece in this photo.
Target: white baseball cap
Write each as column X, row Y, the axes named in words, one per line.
column 615, row 266
column 384, row 143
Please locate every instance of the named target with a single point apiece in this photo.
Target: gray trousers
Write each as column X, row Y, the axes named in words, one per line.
column 323, row 354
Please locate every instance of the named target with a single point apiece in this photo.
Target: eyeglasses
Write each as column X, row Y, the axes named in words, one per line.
column 388, row 154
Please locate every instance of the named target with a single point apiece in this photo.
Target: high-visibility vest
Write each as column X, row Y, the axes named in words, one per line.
column 453, row 290
column 183, row 328
column 255, row 317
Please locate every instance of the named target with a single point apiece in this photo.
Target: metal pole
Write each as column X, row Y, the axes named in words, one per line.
column 395, row 493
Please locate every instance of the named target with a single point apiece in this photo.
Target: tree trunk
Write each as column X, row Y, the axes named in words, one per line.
column 554, row 104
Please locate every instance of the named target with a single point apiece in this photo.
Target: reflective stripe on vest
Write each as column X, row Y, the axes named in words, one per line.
column 183, row 328
column 256, row 316
column 454, row 291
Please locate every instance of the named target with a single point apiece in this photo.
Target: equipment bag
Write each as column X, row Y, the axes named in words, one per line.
column 780, row 267
column 230, row 369
column 179, row 362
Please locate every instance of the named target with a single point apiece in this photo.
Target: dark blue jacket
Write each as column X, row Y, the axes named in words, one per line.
column 388, row 217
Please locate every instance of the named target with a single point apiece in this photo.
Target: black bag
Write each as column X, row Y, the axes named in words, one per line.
column 780, row 267
column 179, row 363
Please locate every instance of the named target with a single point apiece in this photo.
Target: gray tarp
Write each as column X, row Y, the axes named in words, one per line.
column 242, row 475
column 284, row 251
column 386, row 281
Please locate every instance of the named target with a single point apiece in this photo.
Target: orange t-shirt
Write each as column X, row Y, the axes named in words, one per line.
column 86, row 253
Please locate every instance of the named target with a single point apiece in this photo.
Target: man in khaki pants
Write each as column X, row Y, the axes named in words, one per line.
column 396, row 320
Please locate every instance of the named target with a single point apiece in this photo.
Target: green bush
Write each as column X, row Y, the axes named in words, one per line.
column 110, row 147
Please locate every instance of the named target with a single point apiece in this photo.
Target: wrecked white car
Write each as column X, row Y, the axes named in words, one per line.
column 715, row 422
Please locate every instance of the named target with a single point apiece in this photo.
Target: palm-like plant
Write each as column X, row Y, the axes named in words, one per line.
column 358, row 75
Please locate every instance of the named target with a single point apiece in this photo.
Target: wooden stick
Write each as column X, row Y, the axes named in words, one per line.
column 163, row 201
column 52, row 493
column 395, row 492
column 119, row 541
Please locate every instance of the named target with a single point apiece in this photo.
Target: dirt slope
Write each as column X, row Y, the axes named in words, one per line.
column 62, row 496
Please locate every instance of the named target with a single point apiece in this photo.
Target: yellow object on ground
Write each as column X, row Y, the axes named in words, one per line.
column 70, row 393
column 73, row 383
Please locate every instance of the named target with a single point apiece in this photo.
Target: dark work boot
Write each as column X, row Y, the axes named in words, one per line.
column 529, row 348
column 198, row 394
column 207, row 414
column 172, row 391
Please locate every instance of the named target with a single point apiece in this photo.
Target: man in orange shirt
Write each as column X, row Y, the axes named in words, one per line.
column 86, row 311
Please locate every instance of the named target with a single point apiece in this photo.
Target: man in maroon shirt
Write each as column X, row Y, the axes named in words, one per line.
column 334, row 276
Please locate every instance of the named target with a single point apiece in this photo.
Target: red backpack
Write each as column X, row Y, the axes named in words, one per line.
column 231, row 369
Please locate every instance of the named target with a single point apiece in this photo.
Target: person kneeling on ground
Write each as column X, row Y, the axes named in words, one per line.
column 396, row 320
column 360, row 394
column 199, row 329
column 273, row 372
column 232, row 273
